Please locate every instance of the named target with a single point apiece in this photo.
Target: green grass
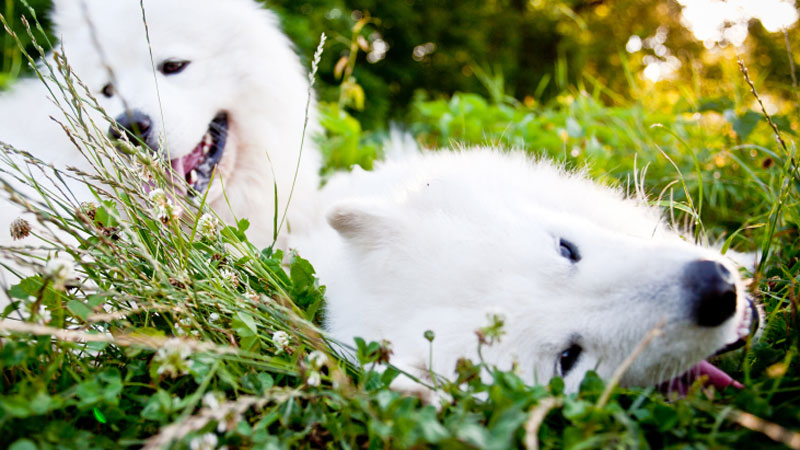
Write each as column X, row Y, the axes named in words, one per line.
column 172, row 332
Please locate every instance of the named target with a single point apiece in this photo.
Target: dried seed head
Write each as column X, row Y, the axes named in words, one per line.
column 90, row 209
column 385, row 352
column 20, row 229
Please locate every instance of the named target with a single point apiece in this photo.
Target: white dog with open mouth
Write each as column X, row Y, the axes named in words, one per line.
column 438, row 241
column 218, row 89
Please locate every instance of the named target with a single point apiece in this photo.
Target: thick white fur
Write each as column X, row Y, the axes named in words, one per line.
column 438, row 241
column 241, row 63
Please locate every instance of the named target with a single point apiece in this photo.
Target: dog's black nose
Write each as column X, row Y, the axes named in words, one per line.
column 135, row 124
column 712, row 285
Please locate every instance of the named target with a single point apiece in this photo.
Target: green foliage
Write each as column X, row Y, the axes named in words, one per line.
column 13, row 64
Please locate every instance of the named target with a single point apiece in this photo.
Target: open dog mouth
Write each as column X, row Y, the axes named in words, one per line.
column 715, row 376
column 197, row 167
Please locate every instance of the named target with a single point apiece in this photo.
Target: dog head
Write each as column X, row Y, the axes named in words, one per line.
column 215, row 87
column 581, row 274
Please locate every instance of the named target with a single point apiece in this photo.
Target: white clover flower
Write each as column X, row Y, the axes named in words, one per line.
column 175, row 212
column 60, row 272
column 159, row 197
column 161, row 213
column 213, row 317
column 163, row 209
column 317, row 359
column 172, row 358
column 230, row 276
column 211, row 401
column 281, row 340
column 314, row 379
column 208, row 226
column 207, row 441
column 144, row 173
column 44, row 317
column 253, row 297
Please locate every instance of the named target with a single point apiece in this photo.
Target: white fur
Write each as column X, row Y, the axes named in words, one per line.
column 241, row 63
column 438, row 241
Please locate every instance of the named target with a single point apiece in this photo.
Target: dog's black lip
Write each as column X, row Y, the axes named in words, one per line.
column 218, row 129
column 754, row 326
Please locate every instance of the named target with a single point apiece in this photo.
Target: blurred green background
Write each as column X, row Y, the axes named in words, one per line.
column 531, row 50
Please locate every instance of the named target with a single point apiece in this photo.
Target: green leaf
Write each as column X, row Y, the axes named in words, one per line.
column 743, row 124
column 79, row 309
column 23, row 444
column 429, row 426
column 718, row 104
column 105, row 214
column 574, row 129
column 99, row 416
column 243, row 225
column 242, row 318
column 305, row 290
column 665, row 417
column 26, row 288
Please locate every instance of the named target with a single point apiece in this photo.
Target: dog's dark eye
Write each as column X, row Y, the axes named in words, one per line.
column 569, row 250
column 568, row 358
column 108, row 90
column 172, row 67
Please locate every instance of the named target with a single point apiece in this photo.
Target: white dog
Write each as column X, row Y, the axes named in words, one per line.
column 219, row 89
column 581, row 275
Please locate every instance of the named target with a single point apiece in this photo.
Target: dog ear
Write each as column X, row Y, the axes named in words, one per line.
column 367, row 223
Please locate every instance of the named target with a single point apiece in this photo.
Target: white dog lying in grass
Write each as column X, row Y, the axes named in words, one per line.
column 219, row 91
column 580, row 274
column 223, row 91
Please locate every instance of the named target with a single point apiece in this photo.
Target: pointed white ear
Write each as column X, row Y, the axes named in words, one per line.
column 363, row 222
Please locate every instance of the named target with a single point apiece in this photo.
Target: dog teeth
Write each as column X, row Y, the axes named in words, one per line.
column 193, row 177
column 207, row 143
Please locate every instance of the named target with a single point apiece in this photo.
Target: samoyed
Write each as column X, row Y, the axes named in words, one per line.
column 215, row 87
column 579, row 273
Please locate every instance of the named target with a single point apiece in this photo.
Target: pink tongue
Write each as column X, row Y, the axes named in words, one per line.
column 716, row 377
column 713, row 377
column 185, row 164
